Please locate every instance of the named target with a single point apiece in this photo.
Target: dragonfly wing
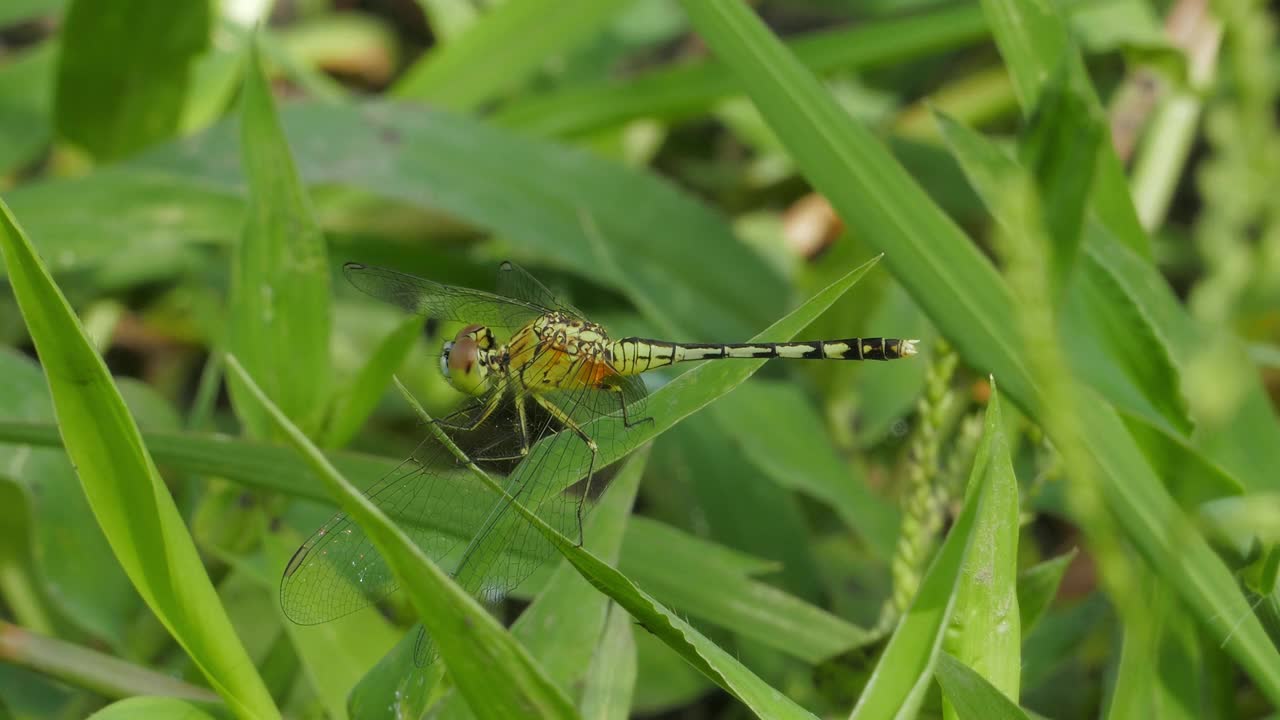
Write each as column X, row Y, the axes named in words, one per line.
column 338, row 571
column 445, row 302
column 516, row 282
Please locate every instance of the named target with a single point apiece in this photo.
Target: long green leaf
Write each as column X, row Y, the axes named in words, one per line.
column 798, row 455
column 972, row 306
column 1117, row 348
column 152, row 708
column 611, row 678
column 686, row 89
column 490, row 668
column 123, row 71
column 905, row 669
column 503, row 49
column 280, row 276
column 1035, row 43
column 125, row 490
column 104, row 674
column 972, row 695
column 986, row 619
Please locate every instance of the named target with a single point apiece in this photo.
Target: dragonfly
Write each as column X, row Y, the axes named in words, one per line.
column 531, row 367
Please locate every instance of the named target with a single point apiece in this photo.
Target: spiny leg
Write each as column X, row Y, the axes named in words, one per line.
column 491, row 404
column 564, row 419
column 524, row 435
column 622, row 403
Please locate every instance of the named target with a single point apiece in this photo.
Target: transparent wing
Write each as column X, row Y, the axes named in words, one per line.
column 445, row 302
column 338, row 571
column 516, row 282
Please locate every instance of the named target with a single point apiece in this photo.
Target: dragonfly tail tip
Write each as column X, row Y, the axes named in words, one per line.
column 909, row 348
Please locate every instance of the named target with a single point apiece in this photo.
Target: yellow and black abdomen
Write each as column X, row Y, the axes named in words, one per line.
column 632, row 356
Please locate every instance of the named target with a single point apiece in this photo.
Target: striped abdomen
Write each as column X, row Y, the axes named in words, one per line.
column 632, row 356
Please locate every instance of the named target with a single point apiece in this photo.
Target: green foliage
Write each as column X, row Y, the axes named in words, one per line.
column 1066, row 507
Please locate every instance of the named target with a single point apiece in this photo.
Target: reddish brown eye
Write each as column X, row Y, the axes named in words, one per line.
column 464, row 355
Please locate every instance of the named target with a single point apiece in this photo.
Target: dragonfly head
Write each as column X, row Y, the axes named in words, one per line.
column 464, row 361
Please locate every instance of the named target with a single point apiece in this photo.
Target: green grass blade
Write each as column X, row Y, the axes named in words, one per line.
column 972, row 306
column 26, row 84
column 957, row 287
column 152, row 708
column 502, row 49
column 125, row 490
column 123, row 71
column 611, row 677
column 1038, row 586
column 1035, row 43
column 353, row 404
column 106, row 675
column 972, row 695
column 905, row 669
column 19, row 583
column 799, row 455
column 986, row 619
column 1117, row 349
column 672, row 93
column 1059, row 149
column 662, row 559
column 279, row 301
column 495, row 674
column 74, row 563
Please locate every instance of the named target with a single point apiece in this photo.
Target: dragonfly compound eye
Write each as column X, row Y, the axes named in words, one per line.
column 463, row 367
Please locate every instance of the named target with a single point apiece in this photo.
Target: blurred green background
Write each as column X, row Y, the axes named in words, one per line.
column 1075, row 198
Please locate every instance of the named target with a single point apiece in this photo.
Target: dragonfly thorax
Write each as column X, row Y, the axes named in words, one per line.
column 466, row 359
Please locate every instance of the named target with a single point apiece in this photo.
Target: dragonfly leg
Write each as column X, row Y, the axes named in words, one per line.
column 524, row 437
column 622, row 403
column 563, row 418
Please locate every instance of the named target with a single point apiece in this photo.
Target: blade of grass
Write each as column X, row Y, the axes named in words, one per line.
column 611, row 678
column 1118, row 348
column 972, row 306
column 799, row 455
column 1037, row 586
column 973, row 696
column 152, row 708
column 123, row 71
column 987, row 629
column 279, row 304
column 905, row 669
column 353, row 404
column 672, row 93
column 496, row 675
column 662, row 561
column 106, row 675
column 1035, row 42
column 502, row 49
column 126, row 492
